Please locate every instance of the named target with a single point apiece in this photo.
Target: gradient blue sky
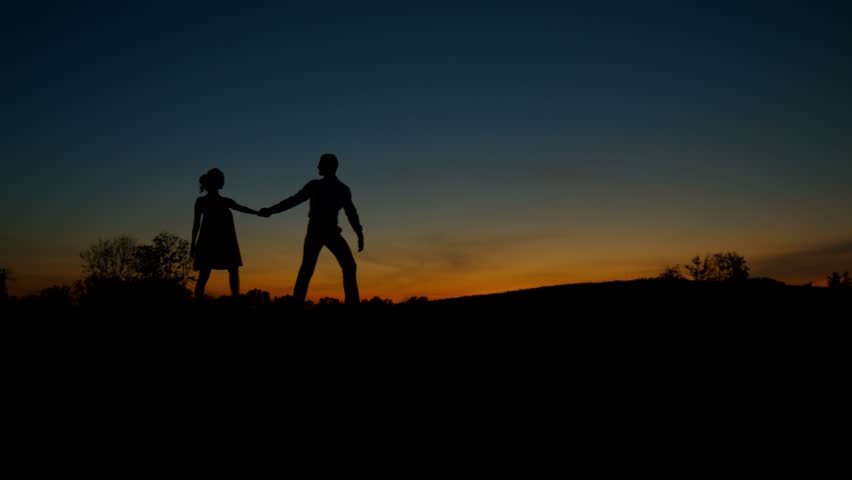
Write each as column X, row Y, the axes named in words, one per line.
column 489, row 145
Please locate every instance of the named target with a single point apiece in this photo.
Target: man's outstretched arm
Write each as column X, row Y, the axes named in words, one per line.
column 289, row 202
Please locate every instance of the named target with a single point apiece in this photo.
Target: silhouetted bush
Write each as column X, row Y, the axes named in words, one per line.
column 416, row 300
column 52, row 299
column 839, row 280
column 671, row 273
column 375, row 301
column 766, row 282
column 3, row 275
column 257, row 297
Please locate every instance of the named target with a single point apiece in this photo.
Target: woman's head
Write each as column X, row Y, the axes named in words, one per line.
column 214, row 179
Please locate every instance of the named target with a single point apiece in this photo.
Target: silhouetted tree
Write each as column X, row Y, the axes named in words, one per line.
column 719, row 267
column 732, row 267
column 699, row 270
column 112, row 259
column 166, row 259
column 326, row 301
column 119, row 271
column 839, row 280
column 671, row 273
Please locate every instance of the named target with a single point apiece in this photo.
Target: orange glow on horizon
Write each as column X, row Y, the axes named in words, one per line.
column 422, row 271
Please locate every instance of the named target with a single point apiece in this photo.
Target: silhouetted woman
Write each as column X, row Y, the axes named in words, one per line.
column 216, row 245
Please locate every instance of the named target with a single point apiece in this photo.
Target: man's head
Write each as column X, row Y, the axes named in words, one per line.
column 327, row 164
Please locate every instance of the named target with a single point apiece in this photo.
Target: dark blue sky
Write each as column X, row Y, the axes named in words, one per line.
column 623, row 135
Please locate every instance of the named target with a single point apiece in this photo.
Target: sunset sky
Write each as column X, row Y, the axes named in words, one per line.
column 489, row 146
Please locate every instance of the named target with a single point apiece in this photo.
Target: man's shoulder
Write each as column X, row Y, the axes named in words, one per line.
column 309, row 187
column 330, row 182
column 342, row 185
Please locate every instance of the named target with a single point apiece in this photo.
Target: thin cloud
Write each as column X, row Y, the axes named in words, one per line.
column 807, row 265
column 452, row 254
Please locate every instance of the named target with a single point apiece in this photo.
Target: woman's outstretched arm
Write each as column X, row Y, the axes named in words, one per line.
column 240, row 208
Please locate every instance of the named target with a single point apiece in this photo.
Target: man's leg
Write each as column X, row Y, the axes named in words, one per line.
column 338, row 246
column 310, row 254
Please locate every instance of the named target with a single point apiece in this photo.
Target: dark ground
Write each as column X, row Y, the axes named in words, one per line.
column 639, row 356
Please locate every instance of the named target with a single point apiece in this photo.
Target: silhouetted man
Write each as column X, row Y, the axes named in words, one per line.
column 328, row 195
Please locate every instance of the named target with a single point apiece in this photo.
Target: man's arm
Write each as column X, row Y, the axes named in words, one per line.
column 290, row 202
column 352, row 215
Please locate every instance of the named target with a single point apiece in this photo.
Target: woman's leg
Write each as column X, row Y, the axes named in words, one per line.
column 234, row 277
column 203, row 276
